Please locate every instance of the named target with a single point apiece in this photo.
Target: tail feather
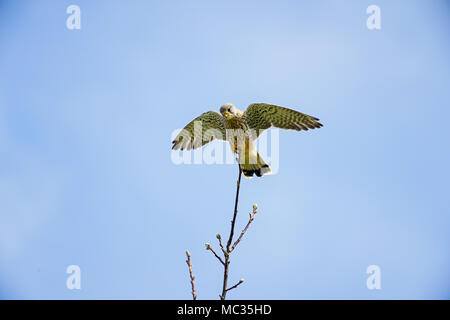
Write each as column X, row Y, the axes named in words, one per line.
column 259, row 168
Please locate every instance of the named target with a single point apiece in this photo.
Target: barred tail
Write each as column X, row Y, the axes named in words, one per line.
column 256, row 165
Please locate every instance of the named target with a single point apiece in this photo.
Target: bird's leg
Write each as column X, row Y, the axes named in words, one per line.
column 235, row 146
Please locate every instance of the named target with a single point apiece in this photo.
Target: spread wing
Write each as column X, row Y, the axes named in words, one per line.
column 261, row 116
column 203, row 129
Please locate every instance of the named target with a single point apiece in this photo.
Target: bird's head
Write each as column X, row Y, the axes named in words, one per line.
column 228, row 109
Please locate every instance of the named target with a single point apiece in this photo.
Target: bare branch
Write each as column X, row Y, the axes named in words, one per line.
column 236, row 285
column 230, row 239
column 233, row 222
column 251, row 218
column 208, row 247
column 220, row 243
column 191, row 275
column 230, row 246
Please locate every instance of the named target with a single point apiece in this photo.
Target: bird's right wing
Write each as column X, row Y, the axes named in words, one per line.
column 203, row 129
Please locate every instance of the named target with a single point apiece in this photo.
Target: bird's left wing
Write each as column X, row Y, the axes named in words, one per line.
column 203, row 129
column 261, row 116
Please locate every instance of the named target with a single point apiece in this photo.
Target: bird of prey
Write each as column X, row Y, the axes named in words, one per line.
column 240, row 129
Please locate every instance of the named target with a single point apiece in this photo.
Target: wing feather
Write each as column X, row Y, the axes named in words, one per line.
column 261, row 116
column 203, row 129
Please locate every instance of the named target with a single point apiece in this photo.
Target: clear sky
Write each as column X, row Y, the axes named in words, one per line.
column 86, row 176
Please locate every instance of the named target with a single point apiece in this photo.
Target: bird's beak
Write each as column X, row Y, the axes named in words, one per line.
column 226, row 114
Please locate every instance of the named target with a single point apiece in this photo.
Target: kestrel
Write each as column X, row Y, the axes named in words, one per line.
column 240, row 129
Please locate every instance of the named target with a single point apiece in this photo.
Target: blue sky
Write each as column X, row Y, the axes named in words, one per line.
column 86, row 176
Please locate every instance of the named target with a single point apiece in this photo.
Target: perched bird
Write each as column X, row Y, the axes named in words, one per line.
column 240, row 129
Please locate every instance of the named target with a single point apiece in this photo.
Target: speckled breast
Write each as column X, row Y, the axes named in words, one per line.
column 238, row 137
column 236, row 122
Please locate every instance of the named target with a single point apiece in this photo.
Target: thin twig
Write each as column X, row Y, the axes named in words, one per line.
column 236, row 285
column 251, row 218
column 191, row 275
column 208, row 247
column 220, row 243
column 230, row 239
column 233, row 222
